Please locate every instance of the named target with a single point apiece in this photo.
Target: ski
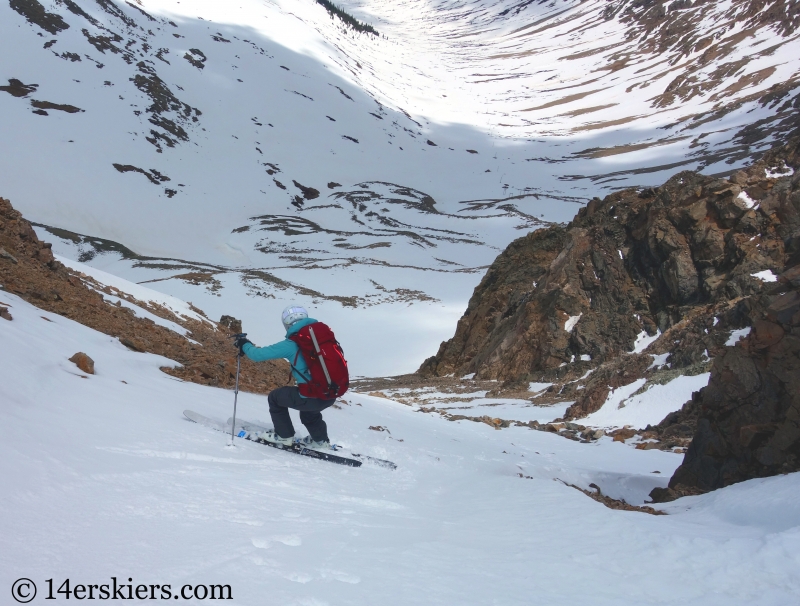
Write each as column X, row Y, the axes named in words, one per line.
column 255, row 427
column 296, row 448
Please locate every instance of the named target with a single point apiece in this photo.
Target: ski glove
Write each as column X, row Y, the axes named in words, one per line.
column 240, row 342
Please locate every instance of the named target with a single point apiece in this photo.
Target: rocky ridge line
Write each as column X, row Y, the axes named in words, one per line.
column 28, row 269
column 639, row 264
column 652, row 285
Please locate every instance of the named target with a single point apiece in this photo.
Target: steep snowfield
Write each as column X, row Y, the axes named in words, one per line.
column 104, row 477
column 281, row 156
column 260, row 152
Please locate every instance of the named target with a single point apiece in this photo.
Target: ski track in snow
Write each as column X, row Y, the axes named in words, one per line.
column 105, row 478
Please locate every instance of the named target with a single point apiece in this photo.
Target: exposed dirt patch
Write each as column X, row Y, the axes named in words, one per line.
column 141, row 10
column 196, row 58
column 109, row 43
column 251, row 278
column 155, row 177
column 607, row 124
column 112, row 9
column 18, row 89
column 604, row 152
column 563, row 100
column 587, row 110
column 301, row 95
column 365, row 247
column 618, row 504
column 344, row 94
column 167, row 111
column 35, row 13
column 195, row 278
column 45, row 105
column 309, row 193
column 77, row 10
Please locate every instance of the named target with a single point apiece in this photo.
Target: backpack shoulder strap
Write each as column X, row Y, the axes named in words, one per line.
column 306, row 375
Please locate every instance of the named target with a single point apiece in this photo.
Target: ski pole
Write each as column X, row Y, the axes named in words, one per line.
column 236, row 387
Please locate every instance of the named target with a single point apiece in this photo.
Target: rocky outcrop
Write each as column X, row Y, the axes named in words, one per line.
column 673, row 262
column 230, row 323
column 650, row 285
column 28, row 269
column 83, row 362
column 749, row 414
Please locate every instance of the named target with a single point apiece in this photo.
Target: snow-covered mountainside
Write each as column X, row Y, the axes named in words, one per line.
column 644, row 299
column 370, row 162
column 105, row 478
column 240, row 156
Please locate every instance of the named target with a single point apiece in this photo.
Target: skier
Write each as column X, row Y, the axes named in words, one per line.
column 294, row 319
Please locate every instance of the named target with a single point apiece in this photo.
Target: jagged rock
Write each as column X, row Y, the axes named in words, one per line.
column 663, row 495
column 5, row 314
column 45, row 254
column 749, row 414
column 693, row 260
column 233, row 325
column 679, row 259
column 45, row 295
column 677, row 428
column 614, row 374
column 133, row 344
column 620, row 435
column 84, row 362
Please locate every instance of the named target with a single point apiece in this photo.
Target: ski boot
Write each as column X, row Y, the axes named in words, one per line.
column 313, row 444
column 271, row 437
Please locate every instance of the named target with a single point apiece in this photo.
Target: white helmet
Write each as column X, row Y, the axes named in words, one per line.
column 292, row 314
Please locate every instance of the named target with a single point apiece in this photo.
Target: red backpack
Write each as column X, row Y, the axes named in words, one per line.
column 325, row 359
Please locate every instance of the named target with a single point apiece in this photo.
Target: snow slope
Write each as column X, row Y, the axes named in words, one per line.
column 282, row 156
column 624, row 406
column 105, row 478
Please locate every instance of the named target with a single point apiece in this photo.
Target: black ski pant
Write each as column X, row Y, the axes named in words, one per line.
column 284, row 398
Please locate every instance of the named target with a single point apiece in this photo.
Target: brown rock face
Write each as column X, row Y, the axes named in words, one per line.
column 84, row 362
column 693, row 260
column 749, row 415
column 27, row 269
column 668, row 259
column 231, row 324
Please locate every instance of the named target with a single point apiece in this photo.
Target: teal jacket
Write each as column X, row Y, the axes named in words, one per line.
column 287, row 349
